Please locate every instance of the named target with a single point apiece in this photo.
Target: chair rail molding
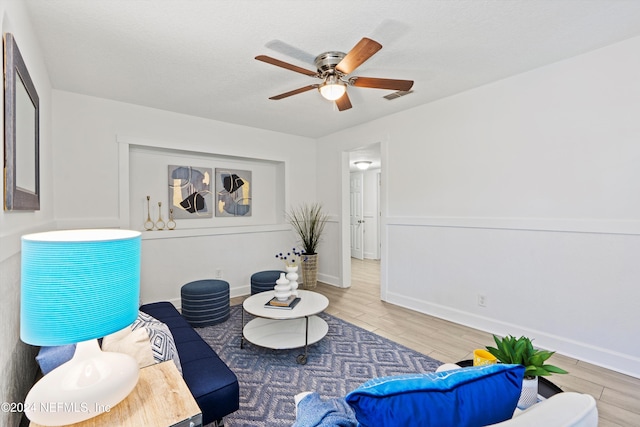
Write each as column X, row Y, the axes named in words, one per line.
column 568, row 225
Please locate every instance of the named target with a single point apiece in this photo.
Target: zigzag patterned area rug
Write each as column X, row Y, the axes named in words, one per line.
column 269, row 379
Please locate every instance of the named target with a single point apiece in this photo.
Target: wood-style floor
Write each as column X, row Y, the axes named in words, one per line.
column 617, row 395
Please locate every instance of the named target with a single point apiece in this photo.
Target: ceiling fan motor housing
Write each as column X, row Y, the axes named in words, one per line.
column 326, row 62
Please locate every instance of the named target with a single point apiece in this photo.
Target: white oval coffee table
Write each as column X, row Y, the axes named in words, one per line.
column 281, row 329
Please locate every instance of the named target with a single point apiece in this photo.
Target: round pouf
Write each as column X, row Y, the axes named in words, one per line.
column 205, row 302
column 264, row 280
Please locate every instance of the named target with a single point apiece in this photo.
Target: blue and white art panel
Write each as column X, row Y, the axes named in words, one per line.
column 190, row 192
column 233, row 192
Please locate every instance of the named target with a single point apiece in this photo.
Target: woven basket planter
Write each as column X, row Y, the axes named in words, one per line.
column 309, row 271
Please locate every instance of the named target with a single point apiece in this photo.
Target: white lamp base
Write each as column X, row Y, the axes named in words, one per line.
column 91, row 383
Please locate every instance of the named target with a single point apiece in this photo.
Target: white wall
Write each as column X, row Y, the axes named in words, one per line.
column 104, row 152
column 525, row 191
column 17, row 362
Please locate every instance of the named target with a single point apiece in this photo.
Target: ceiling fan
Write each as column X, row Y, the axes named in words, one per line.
column 333, row 68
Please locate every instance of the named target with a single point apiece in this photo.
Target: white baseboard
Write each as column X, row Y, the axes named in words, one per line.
column 240, row 291
column 623, row 363
column 329, row 279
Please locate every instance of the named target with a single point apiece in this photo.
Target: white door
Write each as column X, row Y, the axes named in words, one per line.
column 357, row 219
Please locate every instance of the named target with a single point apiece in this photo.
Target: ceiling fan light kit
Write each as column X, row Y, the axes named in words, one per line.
column 332, row 88
column 333, row 69
column 363, row 165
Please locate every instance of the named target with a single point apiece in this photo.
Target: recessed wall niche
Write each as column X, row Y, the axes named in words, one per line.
column 148, row 176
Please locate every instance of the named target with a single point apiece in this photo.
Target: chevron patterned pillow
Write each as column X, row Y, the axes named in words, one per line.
column 162, row 343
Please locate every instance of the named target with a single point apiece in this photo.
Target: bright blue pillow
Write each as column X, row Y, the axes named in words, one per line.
column 467, row 397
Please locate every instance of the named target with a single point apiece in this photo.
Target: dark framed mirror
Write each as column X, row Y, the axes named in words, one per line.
column 21, row 133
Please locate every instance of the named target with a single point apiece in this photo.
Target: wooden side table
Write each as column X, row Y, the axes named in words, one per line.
column 161, row 398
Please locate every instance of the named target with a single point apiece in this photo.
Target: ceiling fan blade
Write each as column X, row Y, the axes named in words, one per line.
column 343, row 103
column 375, row 83
column 291, row 51
column 294, row 92
column 278, row 63
column 364, row 50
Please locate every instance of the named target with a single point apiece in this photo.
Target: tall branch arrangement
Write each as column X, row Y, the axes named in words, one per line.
column 308, row 221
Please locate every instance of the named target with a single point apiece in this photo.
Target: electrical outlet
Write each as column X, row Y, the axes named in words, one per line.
column 482, row 300
column 218, row 273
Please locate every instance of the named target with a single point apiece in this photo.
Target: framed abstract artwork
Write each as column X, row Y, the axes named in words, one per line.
column 233, row 193
column 190, row 193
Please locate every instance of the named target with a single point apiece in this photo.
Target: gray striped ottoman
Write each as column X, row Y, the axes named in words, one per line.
column 205, row 302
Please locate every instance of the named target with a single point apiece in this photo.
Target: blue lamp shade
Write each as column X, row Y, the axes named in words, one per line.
column 78, row 285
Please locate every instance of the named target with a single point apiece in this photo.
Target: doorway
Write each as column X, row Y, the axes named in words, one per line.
column 365, row 276
column 364, row 215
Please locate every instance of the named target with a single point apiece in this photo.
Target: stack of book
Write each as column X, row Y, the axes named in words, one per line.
column 287, row 304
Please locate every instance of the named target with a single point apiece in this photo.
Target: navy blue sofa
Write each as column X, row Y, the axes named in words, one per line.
column 212, row 383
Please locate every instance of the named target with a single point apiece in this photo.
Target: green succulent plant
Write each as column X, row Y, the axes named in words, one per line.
column 520, row 351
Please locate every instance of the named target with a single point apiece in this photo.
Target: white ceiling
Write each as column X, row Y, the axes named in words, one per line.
column 197, row 56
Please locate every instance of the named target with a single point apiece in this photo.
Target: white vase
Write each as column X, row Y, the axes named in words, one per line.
column 282, row 288
column 292, row 276
column 529, row 394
